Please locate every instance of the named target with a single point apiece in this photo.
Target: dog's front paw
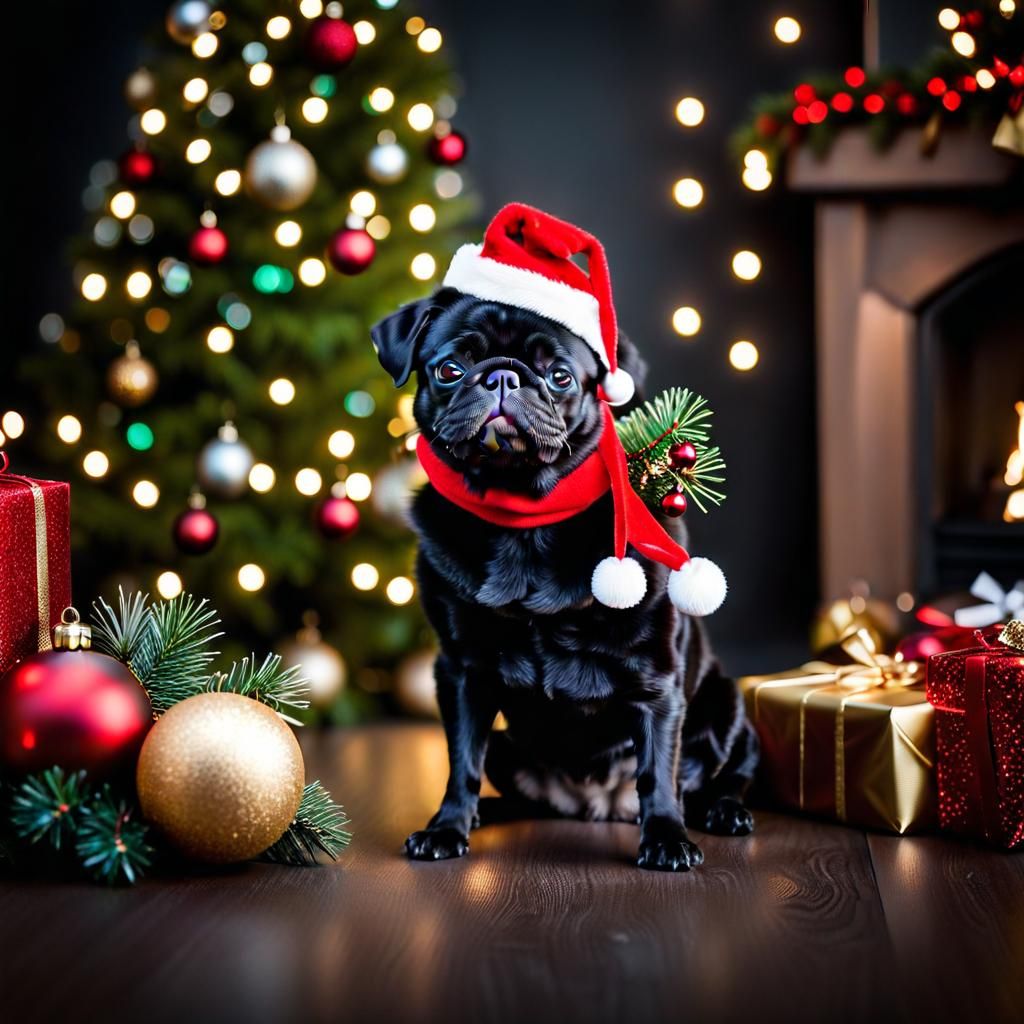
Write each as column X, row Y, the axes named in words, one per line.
column 728, row 816
column 668, row 850
column 436, row 844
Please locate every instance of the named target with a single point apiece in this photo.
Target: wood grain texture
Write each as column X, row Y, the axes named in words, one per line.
column 544, row 921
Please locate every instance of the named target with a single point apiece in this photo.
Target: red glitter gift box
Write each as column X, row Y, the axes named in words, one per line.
column 35, row 562
column 978, row 696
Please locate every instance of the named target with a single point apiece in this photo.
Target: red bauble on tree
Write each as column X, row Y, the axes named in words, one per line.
column 337, row 518
column 682, row 456
column 330, row 44
column 674, row 503
column 196, row 530
column 208, row 246
column 351, row 250
column 447, row 149
column 74, row 708
column 136, row 167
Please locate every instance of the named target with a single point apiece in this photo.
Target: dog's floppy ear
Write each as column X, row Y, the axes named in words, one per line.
column 396, row 338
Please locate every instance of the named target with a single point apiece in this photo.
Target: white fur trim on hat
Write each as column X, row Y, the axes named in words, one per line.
column 485, row 278
column 618, row 387
column 619, row 582
column 698, row 588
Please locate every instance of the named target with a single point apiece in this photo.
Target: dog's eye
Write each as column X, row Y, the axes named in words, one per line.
column 560, row 379
column 449, row 372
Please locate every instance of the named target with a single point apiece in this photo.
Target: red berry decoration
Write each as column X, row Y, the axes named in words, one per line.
column 351, row 250
column 136, row 167
column 195, row 531
column 767, row 126
column 337, row 518
column 208, row 246
column 674, row 504
column 682, row 456
column 448, row 149
column 330, row 44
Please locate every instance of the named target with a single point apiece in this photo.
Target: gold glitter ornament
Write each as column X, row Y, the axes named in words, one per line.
column 131, row 379
column 221, row 776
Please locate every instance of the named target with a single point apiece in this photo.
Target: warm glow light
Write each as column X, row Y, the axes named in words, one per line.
column 363, row 204
column 399, row 590
column 146, row 494
column 365, row 32
column 743, row 355
column 311, row 8
column 220, row 339
column 949, row 19
column 787, row 30
column 415, row 25
column 423, row 266
column 251, row 577
column 69, row 429
column 12, row 424
column 281, row 391
column 204, row 45
column 1014, row 507
column 756, row 179
column 378, row 227
column 153, row 122
column 198, row 150
column 365, row 576
column 1007, row 7
column 288, row 233
column 122, row 205
column 422, row 217
column 690, row 111
column 95, row 464
column 756, row 159
column 260, row 74
column 420, row 117
column 308, row 481
column 688, row 192
column 905, row 601
column 227, row 183
column 686, row 321
column 341, row 444
column 138, row 285
column 429, row 40
column 963, row 43
column 985, row 78
column 314, row 109
column 358, row 486
column 381, row 99
column 1014, row 476
column 94, row 287
column 168, row 585
column 746, row 265
column 278, row 27
column 195, row 90
column 312, row 272
column 262, row 477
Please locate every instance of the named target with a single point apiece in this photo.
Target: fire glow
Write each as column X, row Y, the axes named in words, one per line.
column 1014, row 511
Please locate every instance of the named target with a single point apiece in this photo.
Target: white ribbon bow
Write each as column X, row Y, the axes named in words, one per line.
column 999, row 606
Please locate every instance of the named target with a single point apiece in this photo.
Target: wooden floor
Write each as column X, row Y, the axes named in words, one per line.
column 544, row 921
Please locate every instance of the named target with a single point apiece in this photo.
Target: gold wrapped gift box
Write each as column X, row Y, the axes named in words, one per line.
column 851, row 742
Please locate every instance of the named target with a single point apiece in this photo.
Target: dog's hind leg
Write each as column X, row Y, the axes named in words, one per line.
column 717, row 806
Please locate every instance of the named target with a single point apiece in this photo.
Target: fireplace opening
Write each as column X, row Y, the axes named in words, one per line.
column 971, row 400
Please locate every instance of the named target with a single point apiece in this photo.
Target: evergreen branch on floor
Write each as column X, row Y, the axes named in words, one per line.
column 269, row 683
column 111, row 843
column 317, row 828
column 47, row 806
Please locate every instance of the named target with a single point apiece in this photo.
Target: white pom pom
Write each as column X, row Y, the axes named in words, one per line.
column 619, row 582
column 698, row 588
column 618, row 387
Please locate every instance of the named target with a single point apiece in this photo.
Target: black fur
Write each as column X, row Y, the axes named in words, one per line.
column 593, row 696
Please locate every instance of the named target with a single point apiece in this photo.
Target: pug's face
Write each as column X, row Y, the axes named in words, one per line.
column 505, row 396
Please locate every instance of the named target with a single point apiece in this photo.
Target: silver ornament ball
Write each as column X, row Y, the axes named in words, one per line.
column 387, row 163
column 415, row 689
column 320, row 664
column 224, row 463
column 280, row 173
column 140, row 88
column 394, row 488
column 187, row 19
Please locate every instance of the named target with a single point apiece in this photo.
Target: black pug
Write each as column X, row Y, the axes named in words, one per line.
column 613, row 714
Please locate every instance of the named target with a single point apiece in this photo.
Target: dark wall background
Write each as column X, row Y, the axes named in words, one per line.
column 568, row 106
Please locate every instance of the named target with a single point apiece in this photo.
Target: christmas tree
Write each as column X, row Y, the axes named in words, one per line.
column 214, row 396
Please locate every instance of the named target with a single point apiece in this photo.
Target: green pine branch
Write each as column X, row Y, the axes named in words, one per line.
column 648, row 433
column 111, row 843
column 120, row 634
column 317, row 828
column 45, row 807
column 271, row 684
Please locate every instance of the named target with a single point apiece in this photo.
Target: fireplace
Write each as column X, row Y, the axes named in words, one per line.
column 920, row 360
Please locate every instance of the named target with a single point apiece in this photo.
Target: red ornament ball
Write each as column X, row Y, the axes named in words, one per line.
column 448, row 149
column 136, row 167
column 208, row 246
column 330, row 44
column 76, row 709
column 351, row 250
column 682, row 455
column 195, row 531
column 337, row 518
column 674, row 504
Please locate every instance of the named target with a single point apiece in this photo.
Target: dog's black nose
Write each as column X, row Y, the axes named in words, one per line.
column 502, row 381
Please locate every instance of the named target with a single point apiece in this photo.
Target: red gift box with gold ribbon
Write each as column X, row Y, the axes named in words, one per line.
column 978, row 696
column 35, row 562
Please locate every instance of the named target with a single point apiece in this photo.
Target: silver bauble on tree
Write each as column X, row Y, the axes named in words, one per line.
column 387, row 163
column 187, row 19
column 280, row 173
column 415, row 689
column 320, row 663
column 393, row 490
column 224, row 463
column 140, row 88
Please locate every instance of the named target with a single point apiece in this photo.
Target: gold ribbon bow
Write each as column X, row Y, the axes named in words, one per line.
column 1013, row 635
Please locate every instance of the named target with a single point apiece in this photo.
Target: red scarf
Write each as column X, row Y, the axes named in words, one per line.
column 602, row 470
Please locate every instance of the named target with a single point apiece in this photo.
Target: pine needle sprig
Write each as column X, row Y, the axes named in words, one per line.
column 111, row 843
column 121, row 634
column 279, row 688
column 318, row 828
column 46, row 806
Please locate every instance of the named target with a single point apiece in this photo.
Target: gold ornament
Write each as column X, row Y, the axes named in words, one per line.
column 221, row 776
column 280, row 173
column 321, row 664
column 1009, row 134
column 832, row 623
column 131, row 379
